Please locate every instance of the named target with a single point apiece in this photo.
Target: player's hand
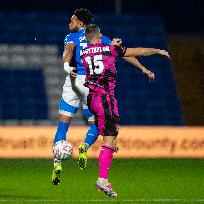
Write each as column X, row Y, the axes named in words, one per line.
column 150, row 75
column 164, row 53
column 73, row 72
column 116, row 41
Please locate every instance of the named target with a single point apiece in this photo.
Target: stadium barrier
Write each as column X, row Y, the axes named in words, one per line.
column 133, row 141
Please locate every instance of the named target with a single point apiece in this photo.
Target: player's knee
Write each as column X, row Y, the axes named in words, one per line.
column 65, row 118
column 88, row 114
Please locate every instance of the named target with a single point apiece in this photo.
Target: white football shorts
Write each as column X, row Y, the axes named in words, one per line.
column 74, row 93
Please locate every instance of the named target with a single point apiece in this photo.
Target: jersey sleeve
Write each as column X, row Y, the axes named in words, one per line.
column 117, row 51
column 106, row 40
column 69, row 39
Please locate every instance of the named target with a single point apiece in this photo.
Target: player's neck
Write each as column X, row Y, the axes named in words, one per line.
column 81, row 28
column 95, row 41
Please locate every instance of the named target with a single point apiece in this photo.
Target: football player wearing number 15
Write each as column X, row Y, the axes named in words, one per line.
column 99, row 62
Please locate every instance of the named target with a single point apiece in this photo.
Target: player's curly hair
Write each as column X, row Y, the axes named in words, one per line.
column 84, row 15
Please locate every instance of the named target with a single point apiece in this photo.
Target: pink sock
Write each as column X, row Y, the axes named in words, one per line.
column 105, row 161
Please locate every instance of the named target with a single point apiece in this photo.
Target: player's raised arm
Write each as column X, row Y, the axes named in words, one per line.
column 134, row 61
column 120, row 51
column 137, row 64
column 130, row 52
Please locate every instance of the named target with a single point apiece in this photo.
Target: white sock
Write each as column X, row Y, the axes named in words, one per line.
column 57, row 161
column 87, row 145
column 103, row 181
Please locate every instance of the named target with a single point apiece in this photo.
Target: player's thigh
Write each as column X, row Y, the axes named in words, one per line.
column 96, row 107
column 69, row 94
column 112, row 119
column 114, row 107
column 105, row 109
column 81, row 89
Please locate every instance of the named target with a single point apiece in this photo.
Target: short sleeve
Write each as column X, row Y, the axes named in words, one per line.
column 117, row 51
column 69, row 39
column 106, row 40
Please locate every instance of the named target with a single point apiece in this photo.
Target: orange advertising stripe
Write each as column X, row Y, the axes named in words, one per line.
column 133, row 142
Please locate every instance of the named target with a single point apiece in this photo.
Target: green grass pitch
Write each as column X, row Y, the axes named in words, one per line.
column 135, row 180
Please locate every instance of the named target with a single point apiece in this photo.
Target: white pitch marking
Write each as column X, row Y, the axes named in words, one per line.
column 123, row 200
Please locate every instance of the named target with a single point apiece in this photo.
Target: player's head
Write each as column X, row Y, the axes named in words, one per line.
column 93, row 33
column 81, row 18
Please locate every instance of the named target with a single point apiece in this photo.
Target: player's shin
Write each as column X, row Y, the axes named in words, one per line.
column 60, row 135
column 105, row 162
column 61, row 150
column 91, row 135
column 61, row 131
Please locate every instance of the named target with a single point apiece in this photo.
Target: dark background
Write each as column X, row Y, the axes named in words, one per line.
column 183, row 37
column 181, row 16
